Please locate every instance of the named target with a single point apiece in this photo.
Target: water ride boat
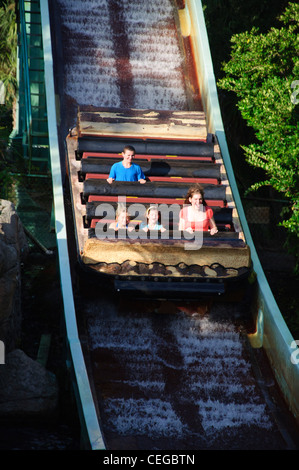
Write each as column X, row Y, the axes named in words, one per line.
column 174, row 151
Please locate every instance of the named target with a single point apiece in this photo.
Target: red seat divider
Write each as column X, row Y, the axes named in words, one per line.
column 153, row 200
column 148, row 157
column 171, row 179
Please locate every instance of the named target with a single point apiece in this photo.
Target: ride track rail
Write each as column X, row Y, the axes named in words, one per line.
column 164, row 375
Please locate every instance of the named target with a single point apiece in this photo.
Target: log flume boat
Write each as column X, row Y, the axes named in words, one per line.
column 174, row 150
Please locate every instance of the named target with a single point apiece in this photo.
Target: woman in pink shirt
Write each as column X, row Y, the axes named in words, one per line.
column 196, row 214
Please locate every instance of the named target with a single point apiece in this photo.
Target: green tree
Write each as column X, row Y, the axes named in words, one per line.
column 8, row 64
column 263, row 72
column 8, row 49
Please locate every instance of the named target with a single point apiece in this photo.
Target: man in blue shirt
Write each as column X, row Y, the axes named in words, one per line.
column 126, row 170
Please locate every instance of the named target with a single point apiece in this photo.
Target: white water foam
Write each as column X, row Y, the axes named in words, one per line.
column 213, row 352
column 154, row 54
column 153, row 417
column 217, row 416
column 90, row 73
column 214, row 375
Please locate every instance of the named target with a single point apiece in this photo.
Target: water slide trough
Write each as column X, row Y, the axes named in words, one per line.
column 171, row 151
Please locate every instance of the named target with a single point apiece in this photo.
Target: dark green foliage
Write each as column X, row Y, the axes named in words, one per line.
column 263, row 71
column 8, row 49
column 224, row 18
column 8, row 64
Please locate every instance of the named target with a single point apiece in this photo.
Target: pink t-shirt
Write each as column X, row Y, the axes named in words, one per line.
column 203, row 225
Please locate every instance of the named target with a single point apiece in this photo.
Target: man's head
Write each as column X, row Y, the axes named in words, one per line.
column 128, row 153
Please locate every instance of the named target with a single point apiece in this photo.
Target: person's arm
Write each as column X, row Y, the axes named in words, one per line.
column 213, row 226
column 112, row 175
column 140, row 176
column 183, row 219
column 182, row 222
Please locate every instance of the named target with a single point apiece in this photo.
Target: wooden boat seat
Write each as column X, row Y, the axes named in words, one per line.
column 151, row 200
column 222, row 215
column 152, row 179
column 145, row 146
column 224, row 229
column 185, row 158
column 155, row 167
column 149, row 189
column 232, row 238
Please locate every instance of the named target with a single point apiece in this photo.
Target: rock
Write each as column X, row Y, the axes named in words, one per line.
column 11, row 229
column 13, row 251
column 27, row 389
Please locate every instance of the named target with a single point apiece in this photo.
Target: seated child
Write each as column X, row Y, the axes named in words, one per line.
column 122, row 220
column 152, row 216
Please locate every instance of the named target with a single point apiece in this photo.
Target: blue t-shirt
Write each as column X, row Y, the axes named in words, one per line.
column 119, row 173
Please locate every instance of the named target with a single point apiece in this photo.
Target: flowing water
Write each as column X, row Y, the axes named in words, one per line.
column 175, row 380
column 98, row 70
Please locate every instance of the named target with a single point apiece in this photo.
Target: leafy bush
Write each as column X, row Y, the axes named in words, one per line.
column 8, row 49
column 263, row 72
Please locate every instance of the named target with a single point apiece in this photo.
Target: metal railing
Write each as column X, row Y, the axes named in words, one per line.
column 25, row 80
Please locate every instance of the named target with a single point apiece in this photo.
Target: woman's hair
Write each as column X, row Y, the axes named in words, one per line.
column 195, row 189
